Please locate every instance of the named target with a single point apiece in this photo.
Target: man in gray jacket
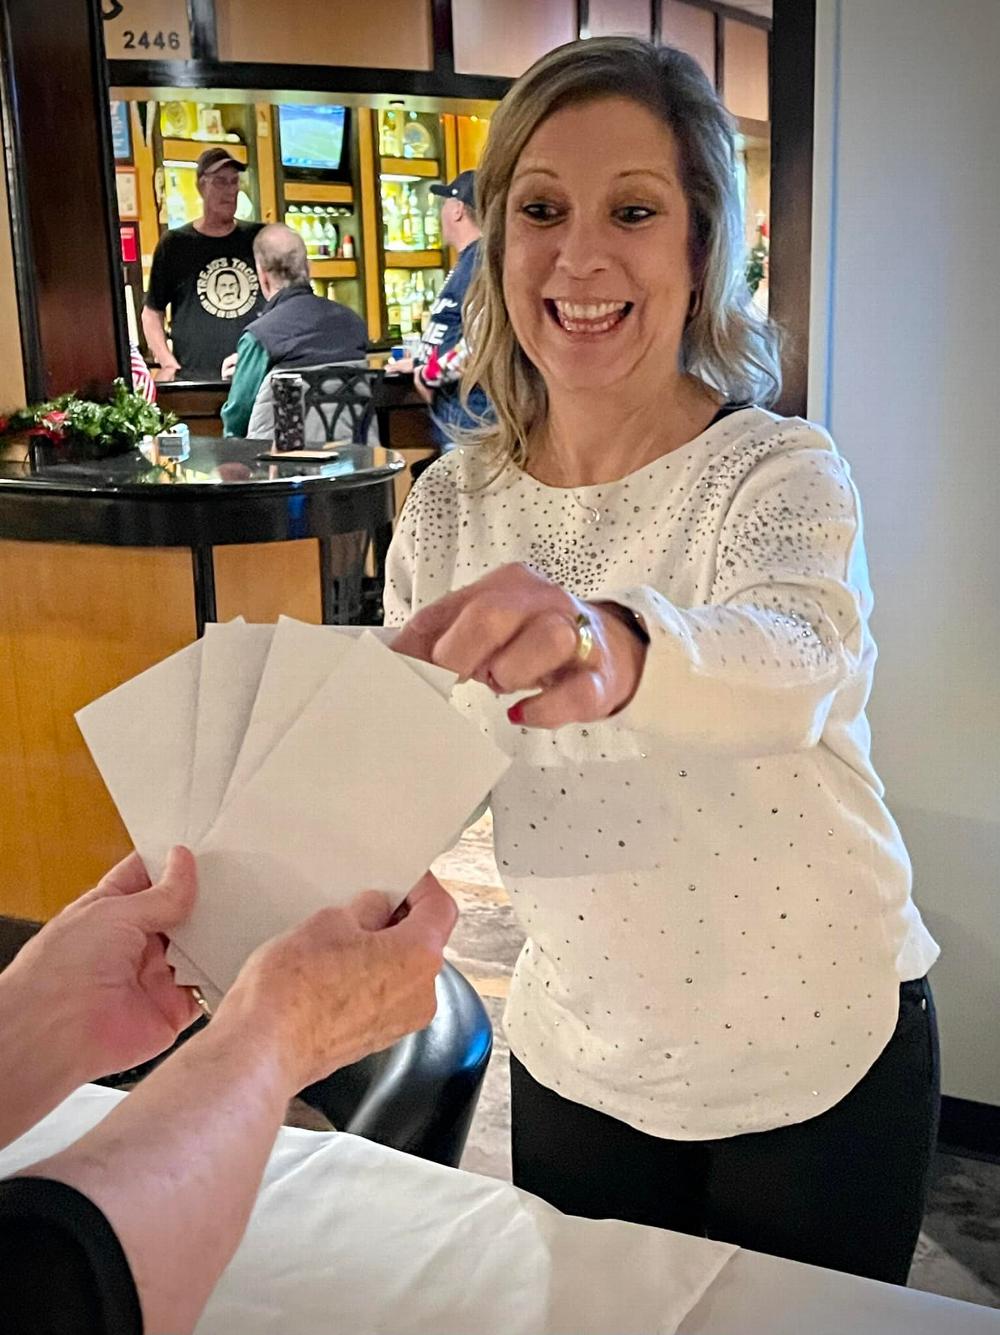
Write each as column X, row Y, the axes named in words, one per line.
column 295, row 329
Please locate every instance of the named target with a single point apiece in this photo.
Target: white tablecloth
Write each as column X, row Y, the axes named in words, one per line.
column 350, row 1237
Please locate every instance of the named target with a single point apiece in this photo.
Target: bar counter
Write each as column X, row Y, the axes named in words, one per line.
column 107, row 567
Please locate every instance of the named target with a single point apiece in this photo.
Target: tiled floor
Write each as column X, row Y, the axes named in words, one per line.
column 959, row 1250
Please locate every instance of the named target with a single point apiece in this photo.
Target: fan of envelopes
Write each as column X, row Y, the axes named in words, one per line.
column 294, row 760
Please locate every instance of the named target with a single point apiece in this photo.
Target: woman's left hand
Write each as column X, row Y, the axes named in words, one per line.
column 514, row 630
column 97, row 974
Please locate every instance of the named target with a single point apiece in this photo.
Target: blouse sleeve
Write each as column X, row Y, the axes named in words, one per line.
column 397, row 596
column 756, row 669
column 62, row 1268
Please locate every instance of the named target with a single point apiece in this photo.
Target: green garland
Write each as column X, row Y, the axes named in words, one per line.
column 72, row 428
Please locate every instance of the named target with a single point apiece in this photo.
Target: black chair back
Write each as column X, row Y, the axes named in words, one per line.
column 341, row 395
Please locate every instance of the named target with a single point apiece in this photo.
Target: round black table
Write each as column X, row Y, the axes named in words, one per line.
column 223, row 493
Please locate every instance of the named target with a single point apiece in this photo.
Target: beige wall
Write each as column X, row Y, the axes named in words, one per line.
column 614, row 18
column 11, row 361
column 745, row 70
column 149, row 30
column 504, row 39
column 692, row 30
column 390, row 34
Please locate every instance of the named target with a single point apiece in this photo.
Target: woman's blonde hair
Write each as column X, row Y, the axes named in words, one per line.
column 726, row 342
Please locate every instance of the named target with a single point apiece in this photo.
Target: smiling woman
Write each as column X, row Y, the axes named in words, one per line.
column 626, row 207
column 719, row 1022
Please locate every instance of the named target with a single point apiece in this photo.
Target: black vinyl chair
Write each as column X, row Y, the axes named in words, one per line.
column 418, row 1096
column 338, row 406
column 341, row 396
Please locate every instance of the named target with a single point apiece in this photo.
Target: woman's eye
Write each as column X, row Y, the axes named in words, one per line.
column 634, row 213
column 540, row 212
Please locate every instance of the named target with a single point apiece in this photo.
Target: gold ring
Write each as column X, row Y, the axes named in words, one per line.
column 584, row 637
column 196, row 992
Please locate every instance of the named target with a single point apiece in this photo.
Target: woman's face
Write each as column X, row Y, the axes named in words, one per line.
column 597, row 271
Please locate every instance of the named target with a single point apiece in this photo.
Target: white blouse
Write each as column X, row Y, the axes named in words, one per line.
column 716, row 899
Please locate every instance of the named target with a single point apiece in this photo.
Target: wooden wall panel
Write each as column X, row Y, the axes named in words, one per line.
column 616, row 18
column 262, row 581
column 392, row 34
column 11, row 359
column 504, row 39
column 74, row 623
column 58, row 150
column 692, row 30
column 745, row 70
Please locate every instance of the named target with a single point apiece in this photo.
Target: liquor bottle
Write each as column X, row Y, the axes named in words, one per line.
column 405, row 314
column 389, row 141
column 330, row 233
column 176, row 208
column 432, row 227
column 322, row 245
column 310, row 235
column 390, row 218
column 417, row 223
column 406, row 223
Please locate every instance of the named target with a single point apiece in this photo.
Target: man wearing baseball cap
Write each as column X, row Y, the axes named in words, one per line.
column 204, row 273
column 438, row 370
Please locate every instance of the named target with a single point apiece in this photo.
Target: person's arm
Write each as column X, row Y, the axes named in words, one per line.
column 252, row 365
column 92, row 992
column 175, row 1167
column 156, row 338
column 63, row 1268
column 159, row 296
column 753, row 669
column 756, row 669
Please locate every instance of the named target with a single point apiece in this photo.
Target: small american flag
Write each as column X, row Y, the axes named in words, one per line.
column 142, row 382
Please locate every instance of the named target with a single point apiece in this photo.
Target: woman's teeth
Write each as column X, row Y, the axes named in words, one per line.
column 589, row 318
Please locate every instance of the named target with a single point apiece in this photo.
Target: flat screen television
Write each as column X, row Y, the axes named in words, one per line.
column 314, row 142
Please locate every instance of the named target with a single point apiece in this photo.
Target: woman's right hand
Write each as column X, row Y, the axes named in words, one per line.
column 344, row 983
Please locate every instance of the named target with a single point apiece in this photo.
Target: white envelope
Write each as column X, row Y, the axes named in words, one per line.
column 346, row 800
column 300, row 659
column 232, row 660
column 142, row 737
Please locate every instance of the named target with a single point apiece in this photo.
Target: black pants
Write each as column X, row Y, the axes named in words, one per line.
column 844, row 1190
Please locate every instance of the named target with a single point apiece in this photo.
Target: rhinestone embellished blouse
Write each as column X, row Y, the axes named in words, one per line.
column 716, row 898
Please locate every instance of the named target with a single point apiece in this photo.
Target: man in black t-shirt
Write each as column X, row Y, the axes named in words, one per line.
column 204, row 272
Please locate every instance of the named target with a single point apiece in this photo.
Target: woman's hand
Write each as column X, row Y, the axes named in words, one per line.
column 344, row 983
column 514, row 630
column 101, row 965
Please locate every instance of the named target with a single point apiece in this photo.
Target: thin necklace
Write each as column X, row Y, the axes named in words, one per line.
column 594, row 515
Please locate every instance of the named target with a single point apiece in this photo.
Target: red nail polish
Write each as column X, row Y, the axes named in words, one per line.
column 516, row 712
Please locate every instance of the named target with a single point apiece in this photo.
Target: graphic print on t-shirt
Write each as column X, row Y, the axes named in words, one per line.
column 227, row 288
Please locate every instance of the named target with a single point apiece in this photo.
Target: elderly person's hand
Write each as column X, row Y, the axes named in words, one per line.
column 344, row 983
column 514, row 630
column 100, row 966
column 228, row 368
column 92, row 993
column 175, row 1167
